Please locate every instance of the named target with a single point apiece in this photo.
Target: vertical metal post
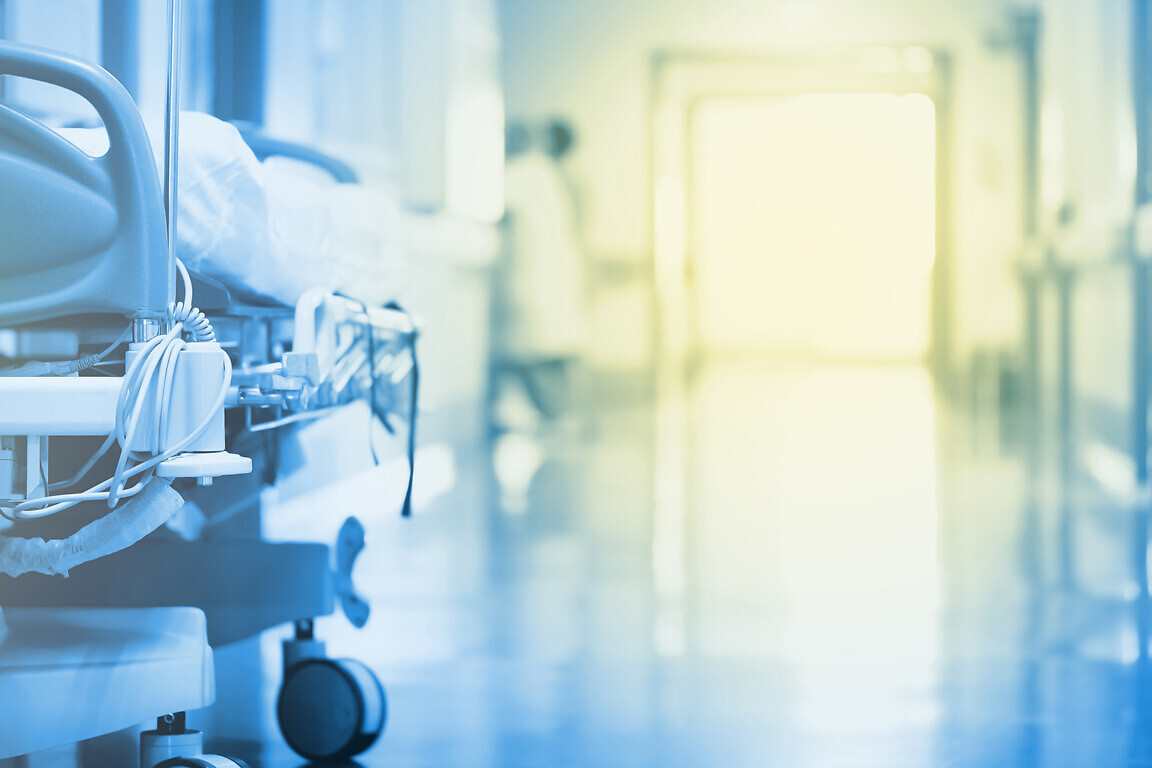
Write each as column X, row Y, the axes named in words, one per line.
column 172, row 125
column 1027, row 31
column 943, row 272
column 1141, row 311
column 1026, row 34
column 3, row 35
column 145, row 329
column 1142, row 98
column 1065, row 286
column 1141, row 390
column 1142, row 195
column 1025, row 40
column 1141, row 340
column 1031, row 283
column 1141, row 385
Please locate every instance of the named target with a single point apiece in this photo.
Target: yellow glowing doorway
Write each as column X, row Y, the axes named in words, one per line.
column 811, row 223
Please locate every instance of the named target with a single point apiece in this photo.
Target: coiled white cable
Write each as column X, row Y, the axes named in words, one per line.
column 115, row 487
column 148, row 382
column 194, row 322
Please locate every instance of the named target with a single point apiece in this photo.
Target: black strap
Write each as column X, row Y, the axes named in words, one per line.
column 374, row 407
column 406, row 511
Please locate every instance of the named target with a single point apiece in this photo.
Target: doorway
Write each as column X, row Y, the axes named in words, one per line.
column 812, row 225
column 802, row 206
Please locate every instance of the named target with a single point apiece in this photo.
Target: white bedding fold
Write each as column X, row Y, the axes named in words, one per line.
column 266, row 229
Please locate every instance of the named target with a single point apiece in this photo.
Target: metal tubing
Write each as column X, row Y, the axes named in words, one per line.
column 172, row 126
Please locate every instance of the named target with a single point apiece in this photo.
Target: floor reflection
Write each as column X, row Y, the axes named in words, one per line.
column 772, row 566
column 815, row 546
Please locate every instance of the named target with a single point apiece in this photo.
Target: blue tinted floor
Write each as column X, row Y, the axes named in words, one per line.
column 770, row 566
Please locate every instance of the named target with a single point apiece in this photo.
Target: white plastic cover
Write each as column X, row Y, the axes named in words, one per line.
column 119, row 529
column 74, row 673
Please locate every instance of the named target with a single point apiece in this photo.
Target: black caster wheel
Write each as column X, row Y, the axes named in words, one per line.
column 330, row 710
column 203, row 761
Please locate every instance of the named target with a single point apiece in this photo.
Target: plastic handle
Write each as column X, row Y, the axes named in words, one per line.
column 141, row 249
column 126, row 134
column 264, row 147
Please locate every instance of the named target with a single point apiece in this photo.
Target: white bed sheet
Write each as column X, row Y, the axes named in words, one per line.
column 270, row 230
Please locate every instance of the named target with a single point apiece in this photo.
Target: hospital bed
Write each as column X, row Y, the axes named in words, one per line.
column 213, row 373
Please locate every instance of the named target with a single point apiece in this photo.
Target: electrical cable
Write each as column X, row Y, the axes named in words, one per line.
column 186, row 279
column 148, row 382
column 86, row 467
column 103, row 449
column 66, row 368
column 100, row 491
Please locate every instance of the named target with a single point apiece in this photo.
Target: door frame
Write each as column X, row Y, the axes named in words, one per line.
column 681, row 80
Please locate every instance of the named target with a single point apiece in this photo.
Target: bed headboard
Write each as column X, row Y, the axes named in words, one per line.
column 78, row 234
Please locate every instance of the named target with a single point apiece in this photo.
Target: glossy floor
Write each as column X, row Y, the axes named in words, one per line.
column 770, row 566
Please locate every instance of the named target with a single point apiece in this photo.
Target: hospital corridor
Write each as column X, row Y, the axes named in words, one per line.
column 598, row 383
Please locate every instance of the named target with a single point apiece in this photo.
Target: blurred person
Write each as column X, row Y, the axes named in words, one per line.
column 539, row 313
column 541, row 310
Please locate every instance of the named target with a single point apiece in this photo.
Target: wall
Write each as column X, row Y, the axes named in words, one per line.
column 411, row 84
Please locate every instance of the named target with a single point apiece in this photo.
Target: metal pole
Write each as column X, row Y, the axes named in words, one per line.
column 1141, row 318
column 172, row 127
